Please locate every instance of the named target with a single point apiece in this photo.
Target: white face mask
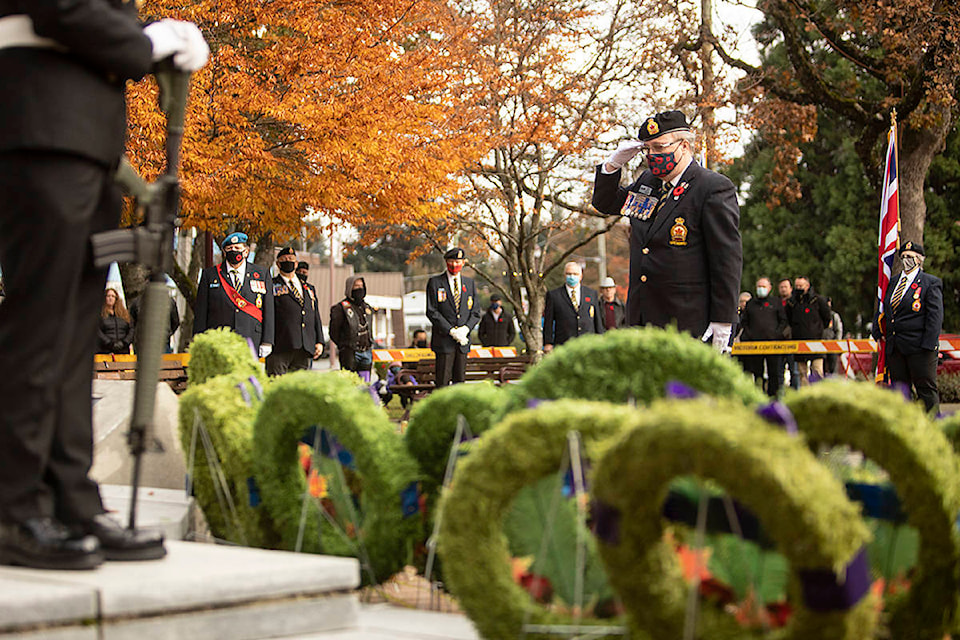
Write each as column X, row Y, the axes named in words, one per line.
column 762, row 292
column 910, row 263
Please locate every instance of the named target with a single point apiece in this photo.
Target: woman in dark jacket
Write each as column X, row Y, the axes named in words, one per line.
column 115, row 332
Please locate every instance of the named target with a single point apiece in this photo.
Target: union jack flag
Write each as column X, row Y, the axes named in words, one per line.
column 889, row 239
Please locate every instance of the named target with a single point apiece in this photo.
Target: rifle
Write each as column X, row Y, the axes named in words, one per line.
column 150, row 244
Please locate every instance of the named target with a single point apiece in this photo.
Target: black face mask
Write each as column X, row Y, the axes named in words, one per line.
column 287, row 267
column 359, row 294
column 233, row 256
column 421, row 344
column 394, row 370
column 302, row 276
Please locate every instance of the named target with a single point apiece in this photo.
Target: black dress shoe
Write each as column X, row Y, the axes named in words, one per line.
column 120, row 543
column 44, row 543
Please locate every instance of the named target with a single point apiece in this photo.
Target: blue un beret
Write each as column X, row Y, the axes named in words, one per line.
column 234, row 238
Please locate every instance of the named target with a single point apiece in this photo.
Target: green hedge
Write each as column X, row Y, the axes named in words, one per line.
column 433, row 423
column 921, row 465
column 523, row 449
column 333, row 401
column 802, row 506
column 219, row 351
column 223, row 411
column 633, row 364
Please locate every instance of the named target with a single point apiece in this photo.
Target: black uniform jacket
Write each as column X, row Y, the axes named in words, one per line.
column 561, row 321
column 763, row 319
column 686, row 260
column 444, row 316
column 72, row 101
column 915, row 324
column 295, row 326
column 496, row 332
column 215, row 309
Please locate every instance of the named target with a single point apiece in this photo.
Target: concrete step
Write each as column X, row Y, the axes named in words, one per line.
column 198, row 591
column 388, row 622
column 166, row 510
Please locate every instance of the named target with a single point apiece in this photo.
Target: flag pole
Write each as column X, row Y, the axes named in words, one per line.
column 886, row 246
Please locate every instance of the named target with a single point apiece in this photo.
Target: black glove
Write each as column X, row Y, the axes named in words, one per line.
column 117, row 346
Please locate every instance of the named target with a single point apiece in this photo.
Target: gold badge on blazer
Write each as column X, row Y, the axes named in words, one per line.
column 916, row 305
column 591, row 312
column 259, row 301
column 678, row 233
column 469, row 302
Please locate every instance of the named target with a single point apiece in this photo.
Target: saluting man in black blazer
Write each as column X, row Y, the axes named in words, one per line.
column 237, row 294
column 571, row 310
column 298, row 332
column 685, row 249
column 63, row 67
column 911, row 322
column 453, row 311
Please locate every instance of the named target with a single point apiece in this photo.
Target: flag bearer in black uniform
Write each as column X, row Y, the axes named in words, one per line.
column 237, row 294
column 685, row 249
column 911, row 324
column 63, row 66
column 298, row 332
column 453, row 312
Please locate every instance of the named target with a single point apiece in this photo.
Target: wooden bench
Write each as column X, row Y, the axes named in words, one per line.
column 173, row 369
column 499, row 370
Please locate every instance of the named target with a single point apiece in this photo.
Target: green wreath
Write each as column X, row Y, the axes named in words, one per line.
column 219, row 351
column 225, row 406
column 921, row 465
column 334, row 401
column 802, row 506
column 526, row 447
column 636, row 364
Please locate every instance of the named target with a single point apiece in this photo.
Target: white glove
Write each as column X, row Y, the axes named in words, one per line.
column 460, row 335
column 179, row 39
column 720, row 331
column 626, row 150
column 266, row 350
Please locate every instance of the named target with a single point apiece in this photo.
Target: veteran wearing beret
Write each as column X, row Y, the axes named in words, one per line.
column 685, row 249
column 453, row 311
column 236, row 294
column 298, row 332
column 910, row 322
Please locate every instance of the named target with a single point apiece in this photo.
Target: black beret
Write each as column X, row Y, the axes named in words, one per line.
column 454, row 254
column 909, row 245
column 286, row 251
column 663, row 123
column 303, row 265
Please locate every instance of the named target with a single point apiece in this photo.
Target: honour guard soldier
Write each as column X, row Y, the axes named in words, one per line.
column 63, row 67
column 571, row 310
column 685, row 248
column 911, row 323
column 237, row 294
column 351, row 328
column 298, row 332
column 453, row 312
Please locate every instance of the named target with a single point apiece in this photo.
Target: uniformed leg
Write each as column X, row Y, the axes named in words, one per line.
column 299, row 360
column 459, row 366
column 897, row 368
column 276, row 364
column 48, row 203
column 443, row 369
column 923, row 372
column 774, row 374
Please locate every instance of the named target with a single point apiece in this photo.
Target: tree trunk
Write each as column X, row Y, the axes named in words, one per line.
column 918, row 147
column 187, row 287
column 264, row 255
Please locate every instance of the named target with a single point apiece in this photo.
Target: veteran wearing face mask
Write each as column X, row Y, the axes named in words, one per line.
column 236, row 294
column 454, row 313
column 685, row 250
column 298, row 331
column 571, row 310
column 910, row 322
column 764, row 319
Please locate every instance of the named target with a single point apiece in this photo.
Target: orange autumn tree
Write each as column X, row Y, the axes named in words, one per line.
column 309, row 107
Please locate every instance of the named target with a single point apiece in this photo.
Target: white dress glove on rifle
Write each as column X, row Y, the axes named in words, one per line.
column 720, row 331
column 625, row 152
column 179, row 39
column 266, row 350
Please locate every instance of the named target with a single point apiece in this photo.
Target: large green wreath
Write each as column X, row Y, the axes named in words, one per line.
column 633, row 364
column 333, row 401
column 802, row 506
column 227, row 416
column 921, row 465
column 219, row 351
column 526, row 447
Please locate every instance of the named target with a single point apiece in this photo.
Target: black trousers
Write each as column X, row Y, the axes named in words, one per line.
column 918, row 370
column 451, row 368
column 280, row 363
column 754, row 366
column 52, row 203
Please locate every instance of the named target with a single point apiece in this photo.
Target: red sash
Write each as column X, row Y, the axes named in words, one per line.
column 238, row 300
